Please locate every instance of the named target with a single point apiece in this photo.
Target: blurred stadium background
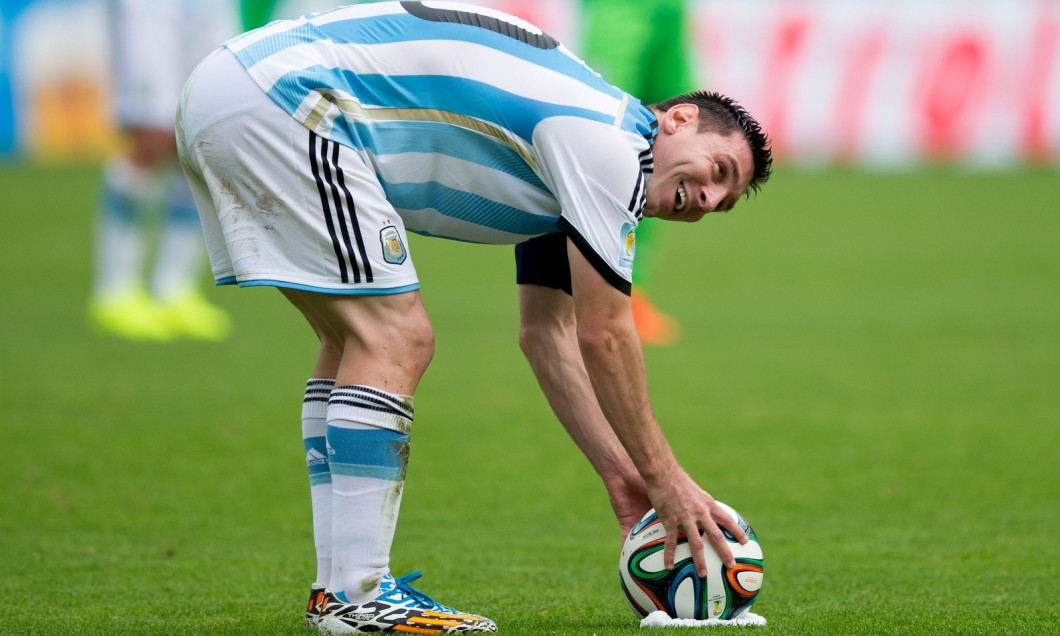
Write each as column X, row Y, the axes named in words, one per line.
column 835, row 81
column 868, row 370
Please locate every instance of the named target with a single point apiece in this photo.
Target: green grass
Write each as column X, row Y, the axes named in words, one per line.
column 869, row 372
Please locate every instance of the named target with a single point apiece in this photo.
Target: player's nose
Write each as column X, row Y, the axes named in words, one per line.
column 710, row 196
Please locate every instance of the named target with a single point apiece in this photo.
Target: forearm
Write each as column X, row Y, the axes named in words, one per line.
column 548, row 338
column 614, row 360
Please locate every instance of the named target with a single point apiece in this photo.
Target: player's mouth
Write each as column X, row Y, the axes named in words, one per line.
column 680, row 198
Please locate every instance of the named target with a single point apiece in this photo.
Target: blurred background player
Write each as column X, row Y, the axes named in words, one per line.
column 255, row 13
column 155, row 46
column 642, row 47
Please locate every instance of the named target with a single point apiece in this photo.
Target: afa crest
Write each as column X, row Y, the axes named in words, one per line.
column 628, row 248
column 393, row 248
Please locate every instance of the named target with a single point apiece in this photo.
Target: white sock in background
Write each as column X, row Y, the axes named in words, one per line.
column 121, row 232
column 181, row 250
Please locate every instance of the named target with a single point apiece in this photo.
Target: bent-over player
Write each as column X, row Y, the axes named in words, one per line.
column 314, row 145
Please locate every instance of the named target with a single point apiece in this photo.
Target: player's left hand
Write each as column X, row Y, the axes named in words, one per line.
column 629, row 500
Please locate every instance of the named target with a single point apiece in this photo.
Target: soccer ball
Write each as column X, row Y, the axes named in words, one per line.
column 724, row 594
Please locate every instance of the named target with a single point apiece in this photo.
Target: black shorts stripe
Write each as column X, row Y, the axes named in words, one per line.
column 334, row 195
column 325, row 203
column 330, row 170
column 354, row 222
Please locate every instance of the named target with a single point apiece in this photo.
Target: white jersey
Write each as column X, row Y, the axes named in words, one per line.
column 478, row 126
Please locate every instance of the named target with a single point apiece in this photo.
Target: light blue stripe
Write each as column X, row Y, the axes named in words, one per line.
column 118, row 206
column 437, row 138
column 320, row 445
column 390, row 29
column 297, row 34
column 182, row 212
column 376, row 452
column 319, row 479
column 366, row 447
column 360, row 291
column 517, row 114
column 464, row 239
column 375, row 472
column 638, row 118
column 467, row 206
column 397, row 137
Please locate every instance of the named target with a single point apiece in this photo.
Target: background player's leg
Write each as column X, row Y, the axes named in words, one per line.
column 179, row 266
column 120, row 304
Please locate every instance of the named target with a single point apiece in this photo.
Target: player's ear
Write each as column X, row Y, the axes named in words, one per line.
column 680, row 116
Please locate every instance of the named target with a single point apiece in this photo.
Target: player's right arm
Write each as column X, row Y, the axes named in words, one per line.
column 548, row 338
column 614, row 360
column 597, row 172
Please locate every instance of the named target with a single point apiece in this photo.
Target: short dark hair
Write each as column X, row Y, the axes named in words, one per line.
column 723, row 115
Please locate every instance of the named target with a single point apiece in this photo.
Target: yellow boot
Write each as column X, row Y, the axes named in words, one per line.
column 192, row 316
column 132, row 315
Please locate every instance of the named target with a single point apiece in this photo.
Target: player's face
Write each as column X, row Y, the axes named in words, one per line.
column 695, row 173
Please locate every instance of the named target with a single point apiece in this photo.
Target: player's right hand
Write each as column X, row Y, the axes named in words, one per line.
column 686, row 509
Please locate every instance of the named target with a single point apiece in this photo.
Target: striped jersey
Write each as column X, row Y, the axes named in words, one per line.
column 479, row 126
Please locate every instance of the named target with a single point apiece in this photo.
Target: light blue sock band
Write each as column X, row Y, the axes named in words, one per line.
column 316, row 460
column 376, row 452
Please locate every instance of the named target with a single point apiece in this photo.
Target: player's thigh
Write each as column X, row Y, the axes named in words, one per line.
column 385, row 341
column 373, row 321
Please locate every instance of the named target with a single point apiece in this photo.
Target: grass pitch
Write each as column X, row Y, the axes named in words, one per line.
column 868, row 372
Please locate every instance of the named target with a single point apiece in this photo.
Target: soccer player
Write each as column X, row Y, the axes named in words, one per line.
column 156, row 44
column 314, row 145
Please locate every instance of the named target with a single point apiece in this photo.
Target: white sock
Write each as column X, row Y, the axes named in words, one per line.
column 121, row 237
column 368, row 449
column 181, row 249
column 314, row 432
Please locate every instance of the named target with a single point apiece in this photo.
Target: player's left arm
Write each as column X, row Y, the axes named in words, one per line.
column 598, row 184
column 614, row 362
column 549, row 340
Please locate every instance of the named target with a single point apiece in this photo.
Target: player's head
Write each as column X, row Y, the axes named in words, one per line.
column 709, row 153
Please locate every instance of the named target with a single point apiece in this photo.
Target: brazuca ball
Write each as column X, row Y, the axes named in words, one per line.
column 723, row 594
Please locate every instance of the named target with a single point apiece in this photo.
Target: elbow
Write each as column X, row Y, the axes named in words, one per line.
column 533, row 338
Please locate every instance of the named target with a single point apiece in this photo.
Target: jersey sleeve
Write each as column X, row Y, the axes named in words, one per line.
column 598, row 174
